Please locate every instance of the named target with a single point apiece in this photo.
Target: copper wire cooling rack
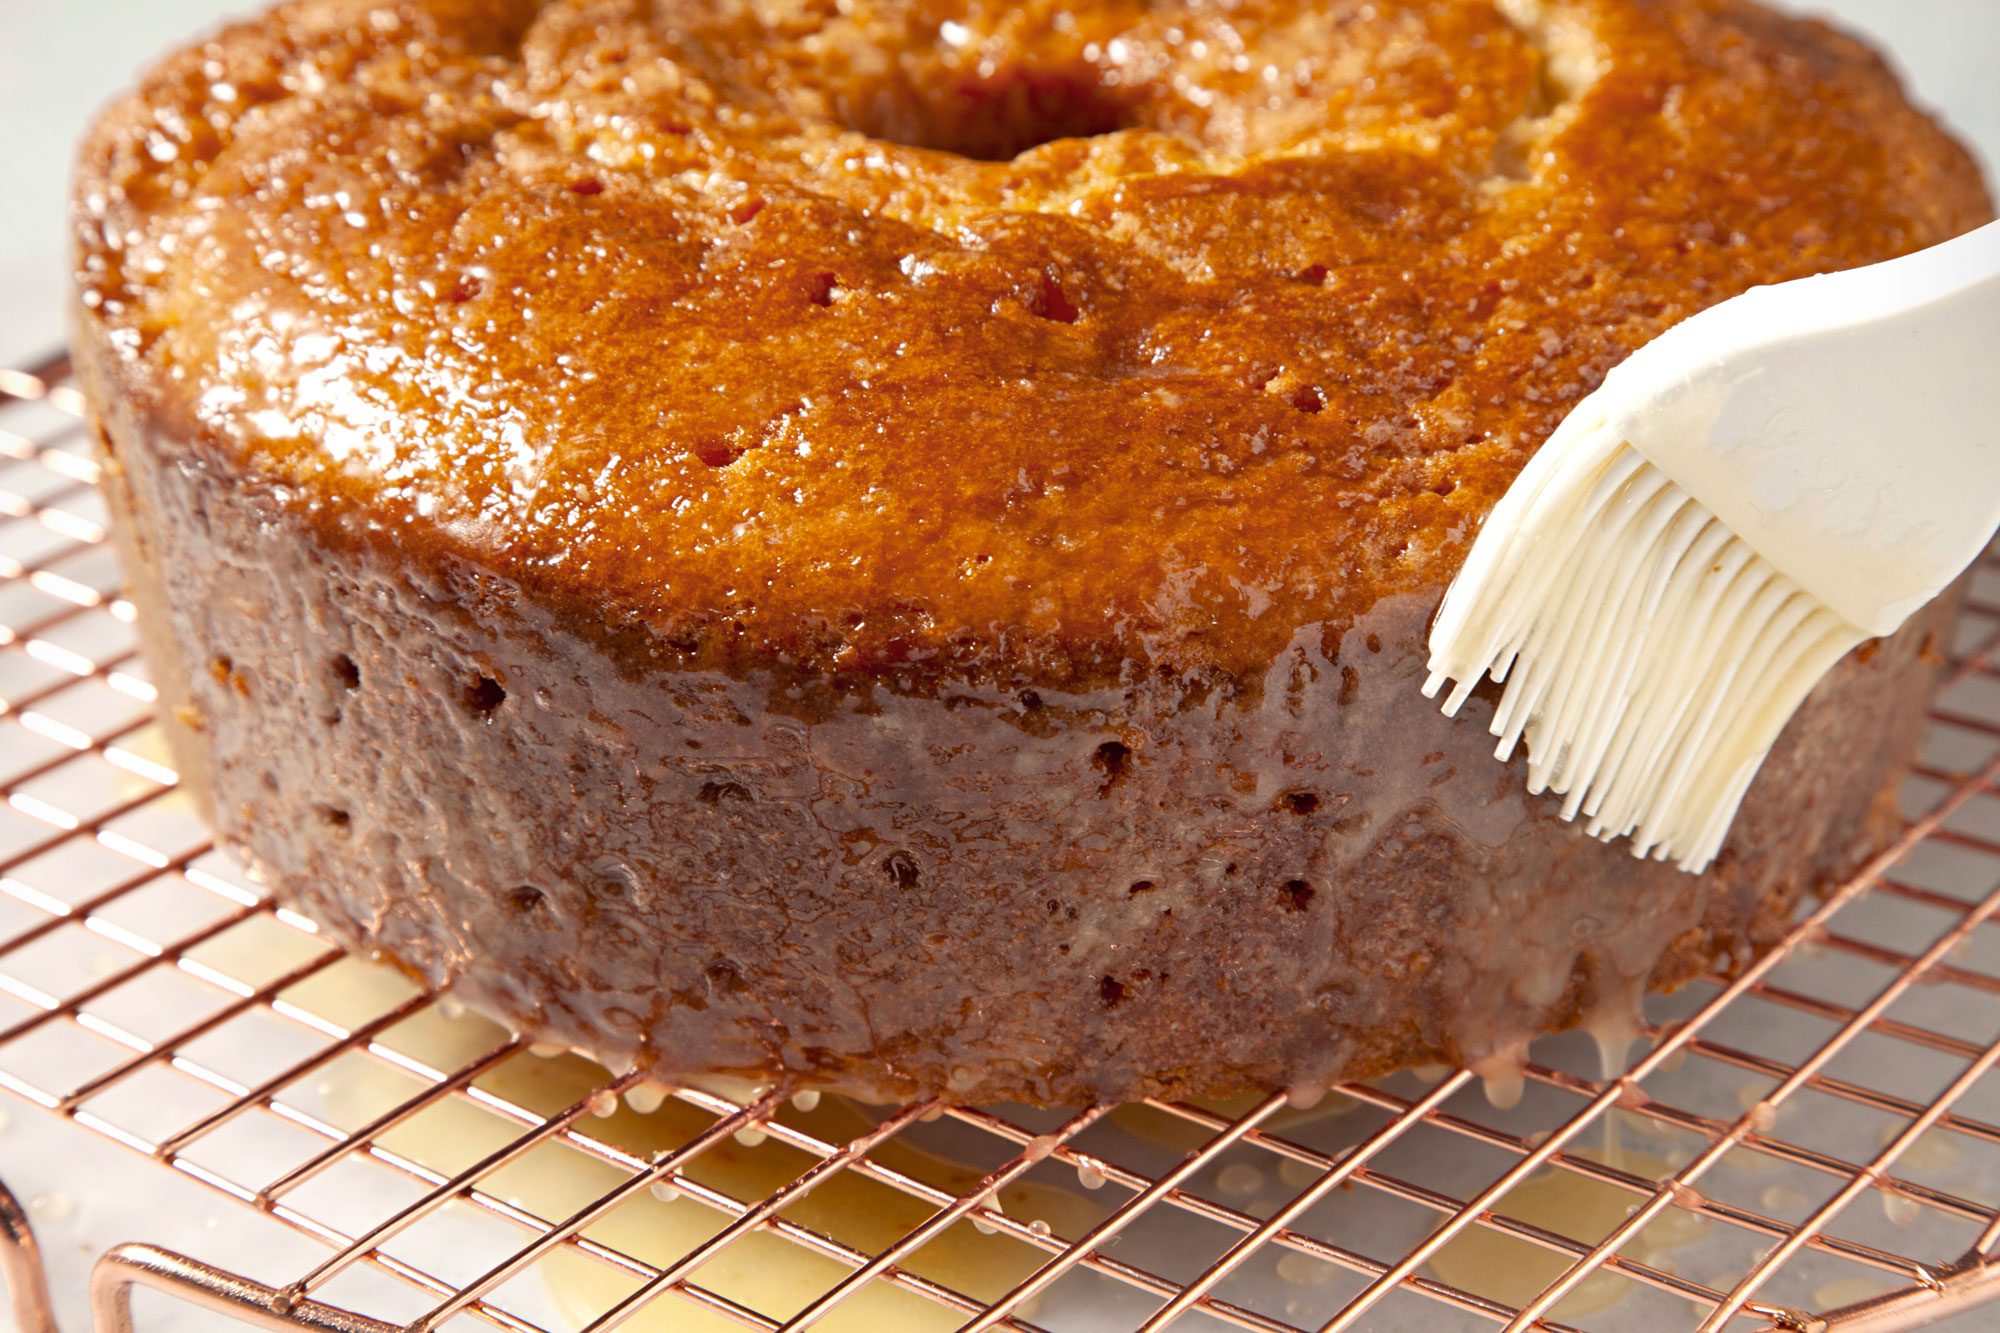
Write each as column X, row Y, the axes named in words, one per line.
column 1812, row 1145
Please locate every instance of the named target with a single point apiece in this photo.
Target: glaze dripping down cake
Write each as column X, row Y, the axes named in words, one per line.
column 888, row 545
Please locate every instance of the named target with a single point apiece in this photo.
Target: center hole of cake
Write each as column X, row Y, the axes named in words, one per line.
column 992, row 117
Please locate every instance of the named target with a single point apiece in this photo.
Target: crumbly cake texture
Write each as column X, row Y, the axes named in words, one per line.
column 888, row 545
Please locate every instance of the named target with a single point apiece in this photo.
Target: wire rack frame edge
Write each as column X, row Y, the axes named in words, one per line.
column 57, row 580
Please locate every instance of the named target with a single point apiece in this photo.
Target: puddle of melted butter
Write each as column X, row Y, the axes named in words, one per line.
column 778, row 1278
column 1934, row 1153
column 1514, row 1271
column 760, row 1270
column 766, row 1272
column 775, row 1276
column 1842, row 1292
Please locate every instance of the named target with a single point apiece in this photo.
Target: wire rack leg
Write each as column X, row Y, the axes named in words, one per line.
column 253, row 1303
column 1966, row 1285
column 21, row 1261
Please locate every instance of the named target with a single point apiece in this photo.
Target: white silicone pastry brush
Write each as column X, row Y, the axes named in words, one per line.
column 1743, row 501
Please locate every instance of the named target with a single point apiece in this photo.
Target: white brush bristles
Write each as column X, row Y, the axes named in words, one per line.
column 1649, row 656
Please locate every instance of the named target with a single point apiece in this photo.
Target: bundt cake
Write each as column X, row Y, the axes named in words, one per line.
column 887, row 545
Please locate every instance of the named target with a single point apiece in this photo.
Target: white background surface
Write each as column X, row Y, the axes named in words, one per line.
column 61, row 58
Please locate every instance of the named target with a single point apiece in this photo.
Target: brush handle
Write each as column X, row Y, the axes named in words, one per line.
column 1847, row 427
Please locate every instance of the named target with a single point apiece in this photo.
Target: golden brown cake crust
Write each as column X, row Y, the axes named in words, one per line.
column 609, row 298
column 691, row 523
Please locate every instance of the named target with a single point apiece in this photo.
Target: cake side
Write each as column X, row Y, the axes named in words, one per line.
column 1095, row 897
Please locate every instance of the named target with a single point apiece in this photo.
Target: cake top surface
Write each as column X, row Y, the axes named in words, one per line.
column 911, row 341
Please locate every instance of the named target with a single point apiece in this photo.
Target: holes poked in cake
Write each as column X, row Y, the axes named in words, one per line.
column 335, row 820
column 822, row 288
column 717, row 453
column 719, row 793
column 482, row 697
column 1301, row 803
column 901, row 869
column 724, row 977
column 1049, row 299
column 224, row 671
column 614, row 881
column 1114, row 991
column 342, row 678
column 525, row 899
column 988, row 114
column 1298, row 895
column 1301, row 395
column 1114, row 760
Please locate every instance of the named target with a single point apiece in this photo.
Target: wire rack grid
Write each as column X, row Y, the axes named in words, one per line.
column 1813, row 1144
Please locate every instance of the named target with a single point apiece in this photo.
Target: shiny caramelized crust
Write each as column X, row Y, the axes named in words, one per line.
column 888, row 544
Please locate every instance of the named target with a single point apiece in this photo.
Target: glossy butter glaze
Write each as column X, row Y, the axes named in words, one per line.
column 648, row 515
